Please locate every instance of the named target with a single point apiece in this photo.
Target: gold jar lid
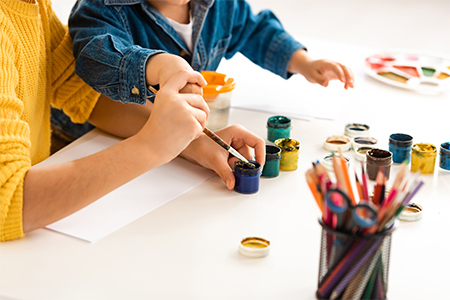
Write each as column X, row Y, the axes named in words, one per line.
column 254, row 247
column 411, row 213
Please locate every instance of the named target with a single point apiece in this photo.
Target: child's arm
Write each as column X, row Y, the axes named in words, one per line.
column 108, row 59
column 263, row 40
column 320, row 71
column 53, row 192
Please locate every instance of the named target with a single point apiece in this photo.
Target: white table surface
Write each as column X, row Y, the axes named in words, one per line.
column 188, row 248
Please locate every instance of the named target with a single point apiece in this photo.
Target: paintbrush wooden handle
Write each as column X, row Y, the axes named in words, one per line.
column 227, row 147
column 216, row 138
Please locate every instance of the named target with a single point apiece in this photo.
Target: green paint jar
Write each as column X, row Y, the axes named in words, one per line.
column 272, row 165
column 278, row 127
column 289, row 153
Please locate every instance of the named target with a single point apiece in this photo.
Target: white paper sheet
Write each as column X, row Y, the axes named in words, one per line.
column 260, row 90
column 129, row 202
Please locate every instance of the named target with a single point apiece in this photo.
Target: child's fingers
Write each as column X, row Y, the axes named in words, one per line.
column 199, row 115
column 336, row 71
column 192, row 88
column 248, row 139
column 197, row 102
column 349, row 79
column 178, row 81
column 224, row 171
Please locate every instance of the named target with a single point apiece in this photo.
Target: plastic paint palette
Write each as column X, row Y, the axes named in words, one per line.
column 411, row 71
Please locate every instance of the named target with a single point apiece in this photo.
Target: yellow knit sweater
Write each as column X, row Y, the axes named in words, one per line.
column 36, row 71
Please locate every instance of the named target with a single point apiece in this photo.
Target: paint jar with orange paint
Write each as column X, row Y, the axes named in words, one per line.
column 376, row 159
column 217, row 94
column 423, row 157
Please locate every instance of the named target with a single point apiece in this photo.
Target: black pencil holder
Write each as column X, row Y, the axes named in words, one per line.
column 353, row 266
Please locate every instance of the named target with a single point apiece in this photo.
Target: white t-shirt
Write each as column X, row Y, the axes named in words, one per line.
column 184, row 31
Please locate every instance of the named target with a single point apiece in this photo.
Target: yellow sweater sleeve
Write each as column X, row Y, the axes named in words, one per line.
column 70, row 92
column 25, row 97
column 14, row 141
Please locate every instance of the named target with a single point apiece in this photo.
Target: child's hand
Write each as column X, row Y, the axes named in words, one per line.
column 161, row 67
column 207, row 153
column 176, row 119
column 320, row 71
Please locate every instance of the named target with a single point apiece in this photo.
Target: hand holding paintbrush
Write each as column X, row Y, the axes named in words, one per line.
column 219, row 141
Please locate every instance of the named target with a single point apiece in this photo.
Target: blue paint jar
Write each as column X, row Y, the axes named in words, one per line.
column 247, row 178
column 444, row 156
column 400, row 145
column 273, row 157
column 278, row 127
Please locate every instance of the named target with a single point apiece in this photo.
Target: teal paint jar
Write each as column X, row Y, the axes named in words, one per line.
column 400, row 145
column 272, row 166
column 444, row 156
column 278, row 127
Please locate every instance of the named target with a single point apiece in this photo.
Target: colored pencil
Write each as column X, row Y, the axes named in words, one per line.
column 364, row 178
column 356, row 287
column 343, row 283
column 334, row 275
column 346, row 177
column 379, row 180
column 359, row 187
column 313, row 187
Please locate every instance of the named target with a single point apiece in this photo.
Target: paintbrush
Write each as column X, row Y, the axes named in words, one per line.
column 227, row 147
column 218, row 140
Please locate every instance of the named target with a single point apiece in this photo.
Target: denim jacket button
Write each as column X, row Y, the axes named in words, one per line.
column 135, row 91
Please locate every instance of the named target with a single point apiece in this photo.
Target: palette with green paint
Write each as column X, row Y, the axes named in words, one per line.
column 411, row 71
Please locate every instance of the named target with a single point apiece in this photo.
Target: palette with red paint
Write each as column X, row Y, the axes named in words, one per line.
column 411, row 71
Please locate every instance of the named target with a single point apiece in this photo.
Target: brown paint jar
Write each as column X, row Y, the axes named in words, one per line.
column 376, row 159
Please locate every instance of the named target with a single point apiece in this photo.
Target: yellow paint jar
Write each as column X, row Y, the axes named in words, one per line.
column 289, row 153
column 423, row 156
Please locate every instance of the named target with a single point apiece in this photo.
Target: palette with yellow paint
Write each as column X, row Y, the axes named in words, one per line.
column 411, row 71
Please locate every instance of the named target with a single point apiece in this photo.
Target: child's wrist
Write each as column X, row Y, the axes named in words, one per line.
column 299, row 62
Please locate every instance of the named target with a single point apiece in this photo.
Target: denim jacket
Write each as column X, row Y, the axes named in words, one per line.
column 113, row 39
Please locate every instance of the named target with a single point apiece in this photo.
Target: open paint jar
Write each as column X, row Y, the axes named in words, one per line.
column 364, row 141
column 400, row 145
column 278, row 127
column 377, row 159
column 289, row 153
column 272, row 166
column 337, row 143
column 356, row 129
column 361, row 153
column 444, row 156
column 247, row 178
column 327, row 161
column 423, row 156
column 217, row 94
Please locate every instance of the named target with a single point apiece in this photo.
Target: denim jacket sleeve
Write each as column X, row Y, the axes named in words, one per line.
column 262, row 39
column 106, row 57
